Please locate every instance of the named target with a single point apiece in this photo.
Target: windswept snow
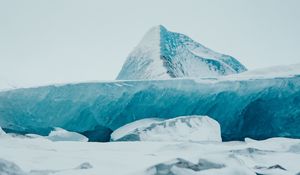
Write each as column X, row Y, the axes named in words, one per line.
column 184, row 128
column 10, row 168
column 276, row 156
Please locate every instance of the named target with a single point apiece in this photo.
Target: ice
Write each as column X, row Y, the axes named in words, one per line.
column 184, row 128
column 59, row 134
column 163, row 54
column 255, row 107
column 130, row 127
column 40, row 156
column 180, row 166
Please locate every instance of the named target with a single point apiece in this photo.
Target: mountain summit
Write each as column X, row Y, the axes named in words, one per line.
column 163, row 54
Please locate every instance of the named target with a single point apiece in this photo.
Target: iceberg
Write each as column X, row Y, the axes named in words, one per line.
column 182, row 129
column 59, row 134
column 130, row 127
column 245, row 105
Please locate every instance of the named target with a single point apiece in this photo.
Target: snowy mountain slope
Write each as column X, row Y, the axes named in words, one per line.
column 184, row 128
column 163, row 54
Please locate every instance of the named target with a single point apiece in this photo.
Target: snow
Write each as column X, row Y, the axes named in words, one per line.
column 265, row 73
column 9, row 168
column 59, row 134
column 183, row 128
column 40, row 156
column 163, row 54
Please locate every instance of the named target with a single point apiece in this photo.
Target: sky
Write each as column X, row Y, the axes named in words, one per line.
column 58, row 41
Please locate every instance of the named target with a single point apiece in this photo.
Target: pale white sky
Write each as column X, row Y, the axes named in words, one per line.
column 55, row 41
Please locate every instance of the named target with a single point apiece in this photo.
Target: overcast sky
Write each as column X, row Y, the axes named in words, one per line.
column 55, row 41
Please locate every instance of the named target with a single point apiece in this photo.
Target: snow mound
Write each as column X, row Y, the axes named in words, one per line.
column 59, row 134
column 184, row 128
column 84, row 165
column 163, row 54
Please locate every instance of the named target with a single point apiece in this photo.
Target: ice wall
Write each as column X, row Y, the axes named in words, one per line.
column 259, row 108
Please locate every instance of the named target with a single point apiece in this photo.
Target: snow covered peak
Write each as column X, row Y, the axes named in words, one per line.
column 162, row 54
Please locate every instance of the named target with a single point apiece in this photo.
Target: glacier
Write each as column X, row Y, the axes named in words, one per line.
column 180, row 129
column 245, row 105
column 163, row 54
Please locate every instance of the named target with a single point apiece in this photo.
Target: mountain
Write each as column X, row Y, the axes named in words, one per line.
column 163, row 54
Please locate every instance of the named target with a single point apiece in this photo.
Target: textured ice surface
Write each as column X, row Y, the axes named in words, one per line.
column 10, row 168
column 163, row 54
column 245, row 106
column 42, row 157
column 184, row 128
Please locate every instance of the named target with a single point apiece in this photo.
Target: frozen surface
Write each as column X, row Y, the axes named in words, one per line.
column 59, row 134
column 163, row 54
column 248, row 105
column 276, row 156
column 10, row 168
column 184, row 128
